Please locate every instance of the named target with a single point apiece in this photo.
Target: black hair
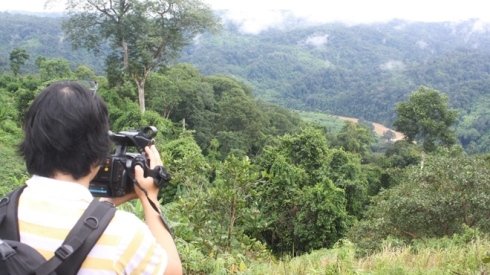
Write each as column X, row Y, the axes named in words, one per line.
column 66, row 130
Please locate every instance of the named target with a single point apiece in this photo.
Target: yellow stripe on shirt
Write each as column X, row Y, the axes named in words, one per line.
column 130, row 251
column 45, row 231
column 97, row 263
column 144, row 265
column 89, row 263
column 48, row 210
column 60, row 233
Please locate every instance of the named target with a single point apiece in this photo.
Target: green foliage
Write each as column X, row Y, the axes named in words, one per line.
column 241, row 121
column 41, row 36
column 124, row 113
column 308, row 211
column 355, row 138
column 212, row 216
column 402, row 154
column 163, row 95
column 460, row 254
column 300, row 194
column 56, row 68
column 18, row 57
column 22, row 103
column 373, row 175
column 448, row 193
column 3, row 111
column 12, row 170
column 388, row 135
column 425, row 118
column 187, row 165
column 84, row 72
column 353, row 76
column 144, row 34
column 333, row 123
column 218, row 107
column 278, row 121
column 346, row 172
column 181, row 94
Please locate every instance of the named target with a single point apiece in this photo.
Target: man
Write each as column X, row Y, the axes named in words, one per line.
column 66, row 139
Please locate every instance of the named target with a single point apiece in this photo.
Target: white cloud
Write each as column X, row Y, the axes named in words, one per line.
column 257, row 15
column 197, row 39
column 256, row 22
column 393, row 65
column 254, row 16
column 481, row 26
column 422, row 44
column 317, row 40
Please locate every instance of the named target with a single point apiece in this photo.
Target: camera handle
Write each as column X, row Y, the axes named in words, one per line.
column 153, row 205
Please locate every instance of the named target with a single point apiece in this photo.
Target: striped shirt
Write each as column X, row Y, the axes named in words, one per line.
column 49, row 208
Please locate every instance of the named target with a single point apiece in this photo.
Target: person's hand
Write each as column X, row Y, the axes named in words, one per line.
column 147, row 183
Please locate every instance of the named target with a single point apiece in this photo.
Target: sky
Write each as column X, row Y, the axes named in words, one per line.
column 256, row 15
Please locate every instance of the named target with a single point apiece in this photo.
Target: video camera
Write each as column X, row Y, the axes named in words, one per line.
column 115, row 177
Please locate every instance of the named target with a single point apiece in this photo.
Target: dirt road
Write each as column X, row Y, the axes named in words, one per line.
column 378, row 128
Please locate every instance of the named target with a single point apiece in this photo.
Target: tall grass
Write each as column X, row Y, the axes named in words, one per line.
column 442, row 256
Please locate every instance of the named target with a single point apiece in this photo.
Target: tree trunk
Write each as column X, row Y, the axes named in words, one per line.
column 125, row 53
column 141, row 94
column 140, row 82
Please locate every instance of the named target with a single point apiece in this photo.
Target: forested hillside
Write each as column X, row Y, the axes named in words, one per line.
column 39, row 36
column 356, row 71
column 255, row 188
column 361, row 70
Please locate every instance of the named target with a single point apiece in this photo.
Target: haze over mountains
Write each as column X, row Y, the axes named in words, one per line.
column 359, row 70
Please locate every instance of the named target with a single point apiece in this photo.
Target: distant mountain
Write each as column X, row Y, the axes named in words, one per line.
column 357, row 71
column 37, row 14
column 39, row 35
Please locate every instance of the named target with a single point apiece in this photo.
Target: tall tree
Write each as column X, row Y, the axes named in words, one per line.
column 18, row 57
column 427, row 119
column 355, row 137
column 308, row 211
column 144, row 34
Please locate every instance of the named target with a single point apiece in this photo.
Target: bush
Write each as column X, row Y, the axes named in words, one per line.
column 449, row 194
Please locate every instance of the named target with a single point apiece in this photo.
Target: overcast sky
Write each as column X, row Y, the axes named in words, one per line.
column 255, row 15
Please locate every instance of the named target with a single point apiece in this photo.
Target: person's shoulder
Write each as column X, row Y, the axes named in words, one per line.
column 127, row 218
column 125, row 223
column 137, row 247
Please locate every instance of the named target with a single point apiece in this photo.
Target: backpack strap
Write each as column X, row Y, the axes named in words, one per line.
column 70, row 255
column 77, row 245
column 9, row 224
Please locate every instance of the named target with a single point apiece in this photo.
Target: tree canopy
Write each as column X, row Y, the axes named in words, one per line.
column 426, row 118
column 18, row 57
column 250, row 177
column 143, row 35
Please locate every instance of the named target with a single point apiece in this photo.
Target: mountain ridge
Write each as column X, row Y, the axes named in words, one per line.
column 358, row 71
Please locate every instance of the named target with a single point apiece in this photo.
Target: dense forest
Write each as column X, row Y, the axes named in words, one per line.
column 255, row 186
column 360, row 71
column 356, row 71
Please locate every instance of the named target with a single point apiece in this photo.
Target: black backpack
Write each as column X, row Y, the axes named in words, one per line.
column 17, row 258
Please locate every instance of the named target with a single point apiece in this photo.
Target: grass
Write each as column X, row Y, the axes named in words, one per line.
column 443, row 256
column 333, row 123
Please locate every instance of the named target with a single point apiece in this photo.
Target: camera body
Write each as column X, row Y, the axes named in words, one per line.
column 113, row 178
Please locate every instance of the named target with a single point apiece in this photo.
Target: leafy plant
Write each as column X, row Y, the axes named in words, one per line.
column 305, row 209
column 442, row 199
